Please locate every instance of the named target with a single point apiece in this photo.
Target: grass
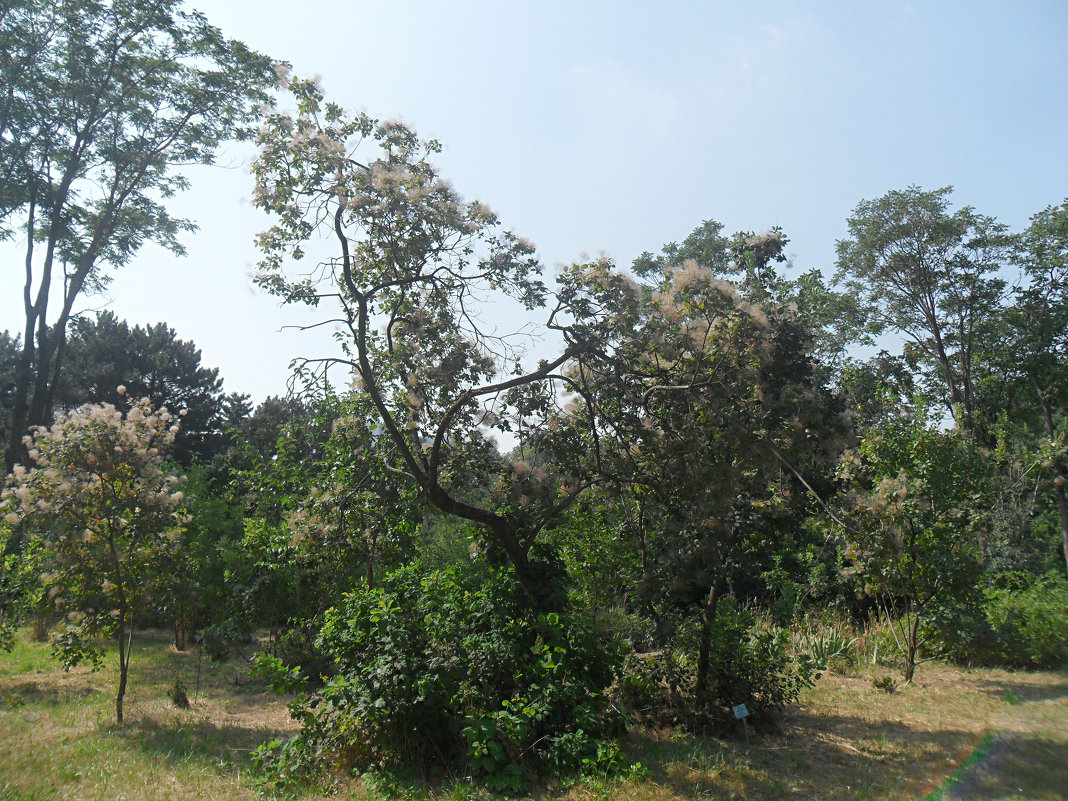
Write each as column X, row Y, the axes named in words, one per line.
column 985, row 735
column 58, row 738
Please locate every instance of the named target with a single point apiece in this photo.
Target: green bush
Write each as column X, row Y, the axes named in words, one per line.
column 1031, row 624
column 23, row 598
column 828, row 647
column 221, row 639
column 450, row 670
column 297, row 648
column 1021, row 623
column 750, row 663
column 276, row 675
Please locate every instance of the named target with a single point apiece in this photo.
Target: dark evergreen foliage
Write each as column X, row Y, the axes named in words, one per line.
column 105, row 353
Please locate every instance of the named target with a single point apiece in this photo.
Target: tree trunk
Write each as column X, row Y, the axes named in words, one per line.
column 15, row 452
column 705, row 646
column 124, row 664
column 1062, row 508
column 179, row 633
column 642, row 545
column 960, row 408
column 912, row 623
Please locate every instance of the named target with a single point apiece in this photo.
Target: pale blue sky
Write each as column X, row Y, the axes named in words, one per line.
column 617, row 127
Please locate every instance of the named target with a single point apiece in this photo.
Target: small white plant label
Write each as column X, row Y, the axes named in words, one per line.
column 741, row 711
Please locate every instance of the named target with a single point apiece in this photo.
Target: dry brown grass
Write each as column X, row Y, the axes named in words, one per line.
column 849, row 740
column 988, row 735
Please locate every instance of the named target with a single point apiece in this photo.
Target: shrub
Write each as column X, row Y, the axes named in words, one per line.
column 450, row 669
column 219, row 640
column 1020, row 623
column 22, row 595
column 750, row 662
column 276, row 675
column 297, row 649
column 1031, row 624
column 828, row 647
column 110, row 517
column 9, row 590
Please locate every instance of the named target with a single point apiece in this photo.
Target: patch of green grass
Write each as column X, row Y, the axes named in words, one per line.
column 26, row 658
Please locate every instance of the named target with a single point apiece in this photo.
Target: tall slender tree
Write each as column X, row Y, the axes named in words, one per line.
column 103, row 101
column 929, row 275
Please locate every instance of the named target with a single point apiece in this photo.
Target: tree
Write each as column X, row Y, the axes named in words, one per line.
column 272, row 461
column 929, row 275
column 322, row 512
column 354, row 514
column 102, row 101
column 917, row 506
column 193, row 588
column 408, row 282
column 151, row 362
column 1039, row 348
column 747, row 260
column 108, row 514
column 410, row 272
column 879, row 388
column 714, row 404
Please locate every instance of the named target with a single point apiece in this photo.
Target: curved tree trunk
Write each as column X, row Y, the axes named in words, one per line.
column 125, row 641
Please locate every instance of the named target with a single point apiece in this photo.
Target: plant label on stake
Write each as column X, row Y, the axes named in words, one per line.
column 741, row 712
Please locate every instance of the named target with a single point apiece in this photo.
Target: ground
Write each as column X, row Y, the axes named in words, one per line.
column 982, row 735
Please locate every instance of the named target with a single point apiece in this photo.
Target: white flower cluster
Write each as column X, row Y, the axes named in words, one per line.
column 95, row 462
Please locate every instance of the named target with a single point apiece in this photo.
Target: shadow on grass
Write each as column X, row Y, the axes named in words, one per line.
column 824, row 756
column 1005, row 767
column 204, row 741
column 218, row 745
column 1023, row 689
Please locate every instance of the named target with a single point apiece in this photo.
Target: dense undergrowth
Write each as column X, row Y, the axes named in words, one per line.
column 450, row 671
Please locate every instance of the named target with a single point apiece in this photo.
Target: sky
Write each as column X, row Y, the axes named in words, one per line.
column 613, row 128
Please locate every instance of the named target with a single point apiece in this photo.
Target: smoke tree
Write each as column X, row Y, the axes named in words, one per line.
column 915, row 514
column 409, row 275
column 715, row 409
column 108, row 514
